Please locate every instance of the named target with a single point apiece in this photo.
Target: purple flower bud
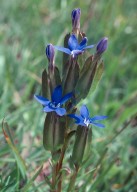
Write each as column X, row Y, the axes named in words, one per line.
column 75, row 15
column 50, row 53
column 102, row 45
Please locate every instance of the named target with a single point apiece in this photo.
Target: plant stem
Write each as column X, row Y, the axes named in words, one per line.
column 54, row 173
column 59, row 167
column 73, row 179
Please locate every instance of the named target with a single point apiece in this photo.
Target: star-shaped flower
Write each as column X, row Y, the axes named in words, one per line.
column 85, row 120
column 74, row 48
column 56, row 101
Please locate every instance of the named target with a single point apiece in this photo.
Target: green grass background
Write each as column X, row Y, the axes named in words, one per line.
column 26, row 27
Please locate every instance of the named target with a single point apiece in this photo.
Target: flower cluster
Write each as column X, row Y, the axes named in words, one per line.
column 61, row 92
column 56, row 105
column 74, row 49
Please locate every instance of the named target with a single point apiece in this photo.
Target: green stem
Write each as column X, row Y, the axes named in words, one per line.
column 54, row 173
column 60, row 164
column 73, row 179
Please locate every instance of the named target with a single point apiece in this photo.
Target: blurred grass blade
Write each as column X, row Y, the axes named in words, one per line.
column 101, row 176
column 126, row 114
column 8, row 137
column 29, row 184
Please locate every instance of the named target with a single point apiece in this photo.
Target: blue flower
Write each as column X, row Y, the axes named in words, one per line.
column 85, row 120
column 74, row 48
column 56, row 101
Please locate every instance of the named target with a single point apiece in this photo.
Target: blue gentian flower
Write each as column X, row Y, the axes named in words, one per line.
column 74, row 48
column 56, row 101
column 85, row 120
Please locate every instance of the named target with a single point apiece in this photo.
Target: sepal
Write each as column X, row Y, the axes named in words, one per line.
column 79, row 145
column 65, row 65
column 45, row 85
column 55, row 78
column 72, row 77
column 54, row 132
column 86, row 77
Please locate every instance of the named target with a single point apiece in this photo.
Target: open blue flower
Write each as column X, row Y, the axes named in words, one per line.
column 85, row 120
column 74, row 48
column 56, row 101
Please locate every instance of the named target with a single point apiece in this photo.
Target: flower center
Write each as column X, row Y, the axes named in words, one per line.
column 54, row 105
column 87, row 122
column 73, row 55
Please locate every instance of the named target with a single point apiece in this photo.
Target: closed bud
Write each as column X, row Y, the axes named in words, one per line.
column 102, row 45
column 50, row 52
column 75, row 15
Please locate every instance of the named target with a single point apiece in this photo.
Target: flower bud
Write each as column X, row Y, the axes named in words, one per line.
column 50, row 54
column 75, row 15
column 102, row 45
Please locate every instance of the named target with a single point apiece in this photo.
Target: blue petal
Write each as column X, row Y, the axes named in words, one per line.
column 60, row 111
column 48, row 109
column 95, row 118
column 73, row 42
column 57, row 94
column 63, row 49
column 89, row 47
column 78, row 118
column 84, row 112
column 83, row 43
column 98, row 125
column 42, row 100
column 66, row 98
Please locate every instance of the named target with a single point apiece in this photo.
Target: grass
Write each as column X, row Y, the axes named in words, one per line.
column 25, row 28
